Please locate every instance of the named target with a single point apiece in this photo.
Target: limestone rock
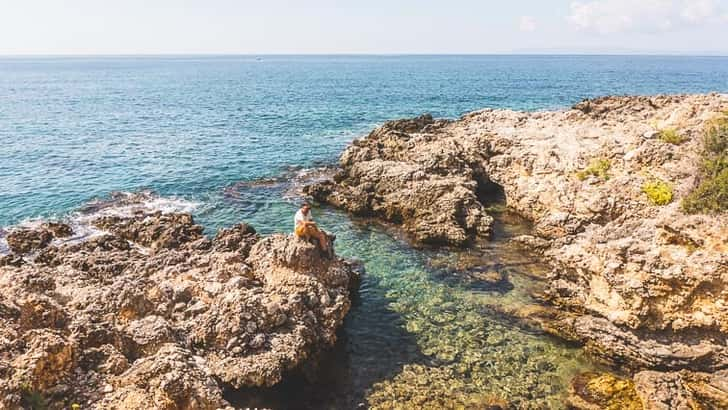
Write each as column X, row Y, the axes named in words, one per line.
column 154, row 315
column 682, row 390
column 170, row 379
column 27, row 240
column 650, row 281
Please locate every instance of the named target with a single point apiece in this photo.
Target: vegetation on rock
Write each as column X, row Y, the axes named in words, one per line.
column 711, row 195
column 32, row 398
column 672, row 136
column 598, row 167
column 658, row 192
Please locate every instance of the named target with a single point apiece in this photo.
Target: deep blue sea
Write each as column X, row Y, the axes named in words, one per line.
column 206, row 130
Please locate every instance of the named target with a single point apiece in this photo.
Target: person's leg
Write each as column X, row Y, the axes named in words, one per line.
column 323, row 240
column 321, row 237
column 301, row 232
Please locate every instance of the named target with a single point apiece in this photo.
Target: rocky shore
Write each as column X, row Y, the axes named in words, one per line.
column 150, row 313
column 637, row 279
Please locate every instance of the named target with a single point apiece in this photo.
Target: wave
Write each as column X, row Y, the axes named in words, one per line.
column 122, row 204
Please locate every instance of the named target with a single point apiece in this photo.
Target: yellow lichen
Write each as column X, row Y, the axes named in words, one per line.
column 607, row 391
column 598, row 167
column 658, row 192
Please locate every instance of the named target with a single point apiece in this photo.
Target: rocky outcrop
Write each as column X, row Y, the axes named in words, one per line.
column 682, row 390
column 642, row 281
column 430, row 188
column 153, row 314
column 26, row 240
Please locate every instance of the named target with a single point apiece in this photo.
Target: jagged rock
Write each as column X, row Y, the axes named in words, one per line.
column 534, row 243
column 11, row 260
column 28, row 240
column 154, row 315
column 240, row 238
column 49, row 358
column 170, row 379
column 432, row 192
column 655, row 274
column 635, row 350
column 58, row 229
column 155, row 231
column 682, row 390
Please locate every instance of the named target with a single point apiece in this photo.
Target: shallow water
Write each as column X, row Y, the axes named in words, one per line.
column 418, row 330
column 204, row 131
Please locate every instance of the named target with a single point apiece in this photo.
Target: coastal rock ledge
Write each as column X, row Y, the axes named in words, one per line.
column 636, row 278
column 153, row 314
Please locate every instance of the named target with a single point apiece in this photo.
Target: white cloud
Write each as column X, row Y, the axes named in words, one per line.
column 612, row 16
column 527, row 24
column 697, row 11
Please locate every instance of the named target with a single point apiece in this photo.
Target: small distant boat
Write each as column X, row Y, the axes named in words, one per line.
column 258, row 58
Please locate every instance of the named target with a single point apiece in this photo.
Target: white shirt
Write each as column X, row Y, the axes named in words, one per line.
column 300, row 217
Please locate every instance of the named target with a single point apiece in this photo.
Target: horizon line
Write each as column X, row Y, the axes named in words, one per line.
column 534, row 53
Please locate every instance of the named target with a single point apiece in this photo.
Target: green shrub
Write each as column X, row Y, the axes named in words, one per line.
column 715, row 140
column 32, row 399
column 711, row 195
column 597, row 167
column 671, row 136
column 658, row 192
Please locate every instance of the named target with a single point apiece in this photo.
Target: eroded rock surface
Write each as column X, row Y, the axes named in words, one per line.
column 26, row 240
column 152, row 314
column 642, row 284
column 682, row 390
column 402, row 174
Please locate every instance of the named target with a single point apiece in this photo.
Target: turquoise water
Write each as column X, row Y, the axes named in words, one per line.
column 231, row 135
column 75, row 128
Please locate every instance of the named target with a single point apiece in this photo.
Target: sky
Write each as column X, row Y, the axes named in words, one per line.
column 363, row 27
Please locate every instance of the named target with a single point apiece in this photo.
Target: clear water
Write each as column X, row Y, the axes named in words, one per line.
column 202, row 129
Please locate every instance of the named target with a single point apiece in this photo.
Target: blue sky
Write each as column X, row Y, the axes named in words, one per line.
column 370, row 26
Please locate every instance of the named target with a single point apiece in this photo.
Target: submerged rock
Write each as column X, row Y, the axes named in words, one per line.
column 592, row 391
column 155, row 315
column 645, row 285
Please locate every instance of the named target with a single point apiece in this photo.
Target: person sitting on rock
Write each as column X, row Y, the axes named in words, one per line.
column 306, row 228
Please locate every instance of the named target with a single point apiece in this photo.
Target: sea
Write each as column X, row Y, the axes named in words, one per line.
column 232, row 138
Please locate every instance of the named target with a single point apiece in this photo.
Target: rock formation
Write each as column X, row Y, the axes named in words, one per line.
column 153, row 314
column 639, row 282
